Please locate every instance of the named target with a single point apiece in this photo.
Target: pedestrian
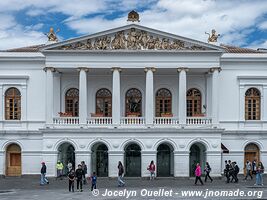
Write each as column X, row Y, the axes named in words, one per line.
column 79, row 177
column 152, row 168
column 254, row 167
column 227, row 171
column 59, row 170
column 93, row 181
column 120, row 175
column 69, row 166
column 225, row 167
column 84, row 168
column 43, row 180
column 248, row 168
column 198, row 174
column 259, row 174
column 207, row 171
column 234, row 172
column 71, row 177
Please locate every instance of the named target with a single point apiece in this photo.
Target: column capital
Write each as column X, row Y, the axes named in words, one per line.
column 153, row 69
column 213, row 69
column 116, row 68
column 179, row 69
column 52, row 69
column 86, row 69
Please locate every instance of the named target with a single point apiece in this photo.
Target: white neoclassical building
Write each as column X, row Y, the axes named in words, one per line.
column 131, row 94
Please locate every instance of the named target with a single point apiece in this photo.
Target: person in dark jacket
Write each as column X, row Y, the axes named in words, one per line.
column 120, row 174
column 44, row 180
column 207, row 171
column 79, row 177
column 235, row 171
column 84, row 168
column 227, row 171
column 71, row 177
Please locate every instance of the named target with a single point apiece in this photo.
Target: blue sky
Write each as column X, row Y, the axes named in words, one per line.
column 240, row 22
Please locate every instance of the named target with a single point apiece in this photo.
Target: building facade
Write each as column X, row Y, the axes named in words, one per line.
column 131, row 94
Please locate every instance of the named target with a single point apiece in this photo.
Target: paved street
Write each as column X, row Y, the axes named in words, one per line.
column 29, row 188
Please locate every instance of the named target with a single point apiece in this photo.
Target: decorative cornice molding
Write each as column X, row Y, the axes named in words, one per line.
column 179, row 69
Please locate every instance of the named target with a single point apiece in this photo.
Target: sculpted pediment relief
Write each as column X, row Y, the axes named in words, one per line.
column 132, row 38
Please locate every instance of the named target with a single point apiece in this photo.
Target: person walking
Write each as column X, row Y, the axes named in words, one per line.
column 152, row 168
column 60, row 168
column 84, row 168
column 69, row 166
column 43, row 180
column 234, row 172
column 259, row 174
column 71, row 177
column 198, row 174
column 79, row 177
column 93, row 181
column 120, row 175
column 248, row 168
column 254, row 167
column 227, row 171
column 207, row 171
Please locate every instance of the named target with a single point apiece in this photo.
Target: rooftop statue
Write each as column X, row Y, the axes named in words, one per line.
column 52, row 35
column 213, row 36
column 133, row 16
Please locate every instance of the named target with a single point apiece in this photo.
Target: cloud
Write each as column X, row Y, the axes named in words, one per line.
column 234, row 20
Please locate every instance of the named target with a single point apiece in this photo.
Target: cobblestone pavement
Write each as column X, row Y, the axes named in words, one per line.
column 29, row 188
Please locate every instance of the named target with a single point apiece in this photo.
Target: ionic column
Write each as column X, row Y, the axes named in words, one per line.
column 116, row 96
column 215, row 95
column 83, row 95
column 49, row 94
column 182, row 95
column 149, row 102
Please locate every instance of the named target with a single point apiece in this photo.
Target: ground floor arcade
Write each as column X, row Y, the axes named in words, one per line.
column 175, row 155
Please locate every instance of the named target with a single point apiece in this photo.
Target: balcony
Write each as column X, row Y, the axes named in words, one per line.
column 133, row 121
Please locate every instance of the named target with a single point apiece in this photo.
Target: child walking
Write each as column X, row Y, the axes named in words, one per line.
column 93, row 181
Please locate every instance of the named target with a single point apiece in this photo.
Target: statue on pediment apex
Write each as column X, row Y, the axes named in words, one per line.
column 133, row 16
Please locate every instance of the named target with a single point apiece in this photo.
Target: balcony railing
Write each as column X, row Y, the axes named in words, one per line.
column 158, row 121
column 198, row 121
column 66, row 120
column 132, row 120
column 166, row 121
column 99, row 121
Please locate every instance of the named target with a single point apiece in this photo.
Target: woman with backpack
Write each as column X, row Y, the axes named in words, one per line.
column 207, row 171
column 152, row 168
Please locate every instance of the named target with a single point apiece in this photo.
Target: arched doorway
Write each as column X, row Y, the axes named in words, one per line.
column 100, row 159
column 66, row 154
column 13, row 160
column 133, row 160
column 165, row 160
column 252, row 153
column 197, row 155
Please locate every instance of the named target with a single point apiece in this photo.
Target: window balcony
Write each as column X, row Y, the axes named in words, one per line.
column 198, row 121
column 166, row 121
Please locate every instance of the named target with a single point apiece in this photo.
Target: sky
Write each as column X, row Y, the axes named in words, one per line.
column 240, row 22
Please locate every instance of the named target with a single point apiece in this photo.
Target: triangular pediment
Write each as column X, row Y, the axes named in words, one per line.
column 132, row 37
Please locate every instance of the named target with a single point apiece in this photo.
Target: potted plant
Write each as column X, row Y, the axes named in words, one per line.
column 167, row 114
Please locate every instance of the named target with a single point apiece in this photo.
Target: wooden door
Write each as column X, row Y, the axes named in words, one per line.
column 251, row 154
column 13, row 160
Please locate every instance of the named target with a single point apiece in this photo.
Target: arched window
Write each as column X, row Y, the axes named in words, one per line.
column 72, row 102
column 252, row 104
column 133, row 102
column 12, row 104
column 104, row 102
column 193, row 100
column 163, row 102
